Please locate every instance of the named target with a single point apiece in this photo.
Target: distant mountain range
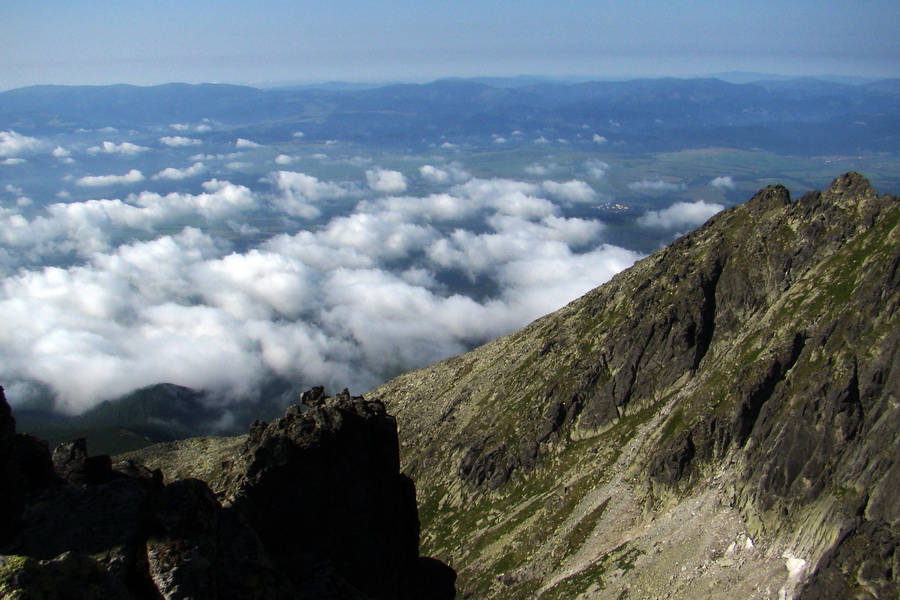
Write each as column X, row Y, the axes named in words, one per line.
column 800, row 116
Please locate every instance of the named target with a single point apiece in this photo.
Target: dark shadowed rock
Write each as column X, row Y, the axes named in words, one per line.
column 25, row 468
column 317, row 508
column 323, row 487
column 182, row 551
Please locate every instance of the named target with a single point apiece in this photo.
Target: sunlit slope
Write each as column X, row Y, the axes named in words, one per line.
column 720, row 420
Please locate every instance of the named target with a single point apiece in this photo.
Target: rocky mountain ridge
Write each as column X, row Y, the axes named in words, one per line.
column 311, row 505
column 719, row 420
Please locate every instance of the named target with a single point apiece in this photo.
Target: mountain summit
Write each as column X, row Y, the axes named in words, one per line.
column 720, row 420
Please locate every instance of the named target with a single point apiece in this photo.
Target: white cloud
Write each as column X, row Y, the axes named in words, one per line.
column 60, row 152
column 125, row 148
column 680, row 215
column 353, row 300
column 13, row 161
column 722, row 183
column 89, row 227
column 514, row 238
column 600, row 139
column 283, row 159
column 655, row 185
column 246, row 144
column 540, row 170
column 179, row 141
column 197, row 168
column 451, row 173
column 13, row 144
column 574, row 191
column 386, row 181
column 203, row 128
column 508, row 197
column 434, row 175
column 133, row 176
column 300, row 193
column 596, row 169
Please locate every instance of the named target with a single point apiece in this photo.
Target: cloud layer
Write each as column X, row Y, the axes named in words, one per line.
column 681, row 215
column 103, row 296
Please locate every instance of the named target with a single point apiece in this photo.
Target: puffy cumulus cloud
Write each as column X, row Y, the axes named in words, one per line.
column 179, row 141
column 243, row 144
column 394, row 323
column 202, row 128
column 350, row 302
column 381, row 237
column 198, row 168
column 13, row 144
column 133, row 176
column 301, row 192
column 433, row 207
column 86, row 228
column 600, row 139
column 432, row 174
column 90, row 335
column 386, row 181
column 257, row 285
column 723, row 183
column 655, row 185
column 574, row 191
column 680, row 215
column 451, row 173
column 283, row 159
column 512, row 239
column 509, row 197
column 13, row 161
column 544, row 284
column 220, row 200
column 596, row 169
column 125, row 148
column 60, row 152
column 540, row 170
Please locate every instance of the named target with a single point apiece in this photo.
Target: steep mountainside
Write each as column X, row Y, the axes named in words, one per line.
column 720, row 420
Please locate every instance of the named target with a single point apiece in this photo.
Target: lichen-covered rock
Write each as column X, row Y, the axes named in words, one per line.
column 69, row 576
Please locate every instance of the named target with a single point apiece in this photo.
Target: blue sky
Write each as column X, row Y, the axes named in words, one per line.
column 264, row 41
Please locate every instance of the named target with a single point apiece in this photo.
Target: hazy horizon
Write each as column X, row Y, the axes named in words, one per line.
column 273, row 42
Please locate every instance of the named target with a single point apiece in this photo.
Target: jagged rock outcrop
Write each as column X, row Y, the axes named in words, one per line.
column 313, row 506
column 332, row 475
column 719, row 420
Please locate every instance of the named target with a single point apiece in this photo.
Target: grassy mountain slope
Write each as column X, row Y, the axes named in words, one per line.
column 720, row 420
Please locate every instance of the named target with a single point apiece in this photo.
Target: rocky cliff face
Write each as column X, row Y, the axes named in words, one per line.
column 312, row 505
column 720, row 420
